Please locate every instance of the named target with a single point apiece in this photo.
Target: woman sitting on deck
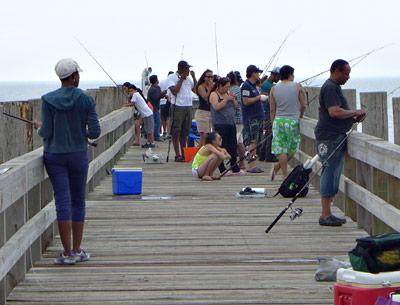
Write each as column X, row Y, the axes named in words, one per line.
column 209, row 157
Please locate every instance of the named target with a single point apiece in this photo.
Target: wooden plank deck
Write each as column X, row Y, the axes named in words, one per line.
column 197, row 245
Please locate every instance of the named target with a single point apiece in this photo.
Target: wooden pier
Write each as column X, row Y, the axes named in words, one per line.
column 190, row 242
column 187, row 242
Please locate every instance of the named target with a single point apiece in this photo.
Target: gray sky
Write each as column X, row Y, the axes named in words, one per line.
column 35, row 34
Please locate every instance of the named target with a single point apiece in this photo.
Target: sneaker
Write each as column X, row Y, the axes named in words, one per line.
column 179, row 159
column 145, row 145
column 152, row 145
column 82, row 256
column 331, row 221
column 342, row 220
column 65, row 259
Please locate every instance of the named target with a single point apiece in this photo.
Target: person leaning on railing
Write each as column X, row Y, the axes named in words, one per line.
column 69, row 118
column 335, row 120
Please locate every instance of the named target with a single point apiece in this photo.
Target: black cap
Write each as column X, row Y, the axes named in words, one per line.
column 183, row 64
column 252, row 69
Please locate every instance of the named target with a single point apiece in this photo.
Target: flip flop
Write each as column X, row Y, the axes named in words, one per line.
column 247, row 191
column 255, row 170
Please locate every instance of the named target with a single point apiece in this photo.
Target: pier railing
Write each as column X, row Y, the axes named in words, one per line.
column 27, row 211
column 370, row 183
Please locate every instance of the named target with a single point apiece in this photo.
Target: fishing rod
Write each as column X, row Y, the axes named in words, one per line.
column 216, row 46
column 183, row 49
column 393, row 91
column 94, row 58
column 272, row 58
column 94, row 144
column 357, row 60
column 297, row 212
column 247, row 156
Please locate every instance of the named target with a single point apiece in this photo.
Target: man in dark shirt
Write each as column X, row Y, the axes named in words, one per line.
column 335, row 120
column 253, row 113
column 154, row 95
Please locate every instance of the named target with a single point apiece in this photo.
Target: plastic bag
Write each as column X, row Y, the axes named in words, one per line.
column 386, row 301
column 326, row 272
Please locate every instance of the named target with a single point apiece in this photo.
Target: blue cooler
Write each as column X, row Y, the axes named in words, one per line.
column 127, row 181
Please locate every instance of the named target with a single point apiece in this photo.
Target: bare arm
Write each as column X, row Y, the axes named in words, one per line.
column 194, row 81
column 202, row 92
column 175, row 89
column 221, row 153
column 272, row 105
column 302, row 99
column 339, row 113
column 215, row 103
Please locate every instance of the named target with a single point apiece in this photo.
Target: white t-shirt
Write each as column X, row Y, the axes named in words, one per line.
column 184, row 96
column 141, row 105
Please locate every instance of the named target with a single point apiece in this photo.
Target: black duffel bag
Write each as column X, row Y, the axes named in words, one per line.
column 374, row 254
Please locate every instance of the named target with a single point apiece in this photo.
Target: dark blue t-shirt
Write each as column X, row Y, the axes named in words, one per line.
column 254, row 111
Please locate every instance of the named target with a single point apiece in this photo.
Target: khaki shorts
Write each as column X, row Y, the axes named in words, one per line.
column 203, row 120
column 181, row 118
column 148, row 123
column 239, row 133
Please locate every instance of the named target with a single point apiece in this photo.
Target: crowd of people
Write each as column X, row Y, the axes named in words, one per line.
column 253, row 120
column 258, row 114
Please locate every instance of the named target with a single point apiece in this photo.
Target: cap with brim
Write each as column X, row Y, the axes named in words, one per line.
column 253, row 69
column 275, row 70
column 183, row 64
column 66, row 67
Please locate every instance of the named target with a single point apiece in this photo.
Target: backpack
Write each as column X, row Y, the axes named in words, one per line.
column 374, row 254
column 294, row 182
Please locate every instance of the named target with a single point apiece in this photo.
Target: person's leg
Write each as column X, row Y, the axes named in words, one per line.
column 56, row 167
column 78, row 168
column 157, row 124
column 221, row 129
column 232, row 148
column 283, row 161
column 255, row 130
column 138, row 123
column 185, row 127
column 208, row 167
column 175, row 129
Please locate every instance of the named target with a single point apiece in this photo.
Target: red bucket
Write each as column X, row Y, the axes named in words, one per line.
column 189, row 153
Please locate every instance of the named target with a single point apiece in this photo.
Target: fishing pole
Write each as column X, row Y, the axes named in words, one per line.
column 33, row 123
column 216, row 46
column 272, row 58
column 94, row 58
column 297, row 212
column 183, row 48
column 18, row 118
column 357, row 60
column 393, row 91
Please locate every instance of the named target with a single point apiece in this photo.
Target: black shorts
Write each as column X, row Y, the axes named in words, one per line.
column 164, row 111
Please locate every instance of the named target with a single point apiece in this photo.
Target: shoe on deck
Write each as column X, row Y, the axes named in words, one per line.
column 65, row 259
column 255, row 170
column 179, row 159
column 332, row 221
column 82, row 256
column 146, row 145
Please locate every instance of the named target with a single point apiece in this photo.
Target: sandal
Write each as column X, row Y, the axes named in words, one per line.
column 255, row 170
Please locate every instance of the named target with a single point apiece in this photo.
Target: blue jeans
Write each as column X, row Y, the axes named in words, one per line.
column 68, row 174
column 157, row 124
column 330, row 177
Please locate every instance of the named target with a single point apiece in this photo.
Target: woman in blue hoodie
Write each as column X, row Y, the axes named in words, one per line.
column 69, row 118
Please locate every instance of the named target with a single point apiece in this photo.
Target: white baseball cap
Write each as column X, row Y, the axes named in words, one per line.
column 275, row 70
column 66, row 67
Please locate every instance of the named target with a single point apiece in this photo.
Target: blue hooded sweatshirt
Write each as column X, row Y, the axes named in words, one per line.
column 69, row 118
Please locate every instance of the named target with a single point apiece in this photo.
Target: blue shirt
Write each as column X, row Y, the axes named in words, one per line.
column 266, row 88
column 69, row 118
column 254, row 111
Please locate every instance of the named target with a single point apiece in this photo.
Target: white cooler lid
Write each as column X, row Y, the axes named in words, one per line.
column 383, row 279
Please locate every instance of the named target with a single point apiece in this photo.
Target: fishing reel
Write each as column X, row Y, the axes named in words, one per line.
column 295, row 213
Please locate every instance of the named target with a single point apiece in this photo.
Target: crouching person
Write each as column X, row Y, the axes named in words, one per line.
column 209, row 157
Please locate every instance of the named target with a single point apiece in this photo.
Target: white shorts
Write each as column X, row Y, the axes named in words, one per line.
column 195, row 173
column 239, row 133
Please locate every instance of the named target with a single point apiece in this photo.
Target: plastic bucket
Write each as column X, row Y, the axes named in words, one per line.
column 189, row 153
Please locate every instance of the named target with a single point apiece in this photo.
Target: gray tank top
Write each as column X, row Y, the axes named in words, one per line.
column 225, row 116
column 287, row 100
